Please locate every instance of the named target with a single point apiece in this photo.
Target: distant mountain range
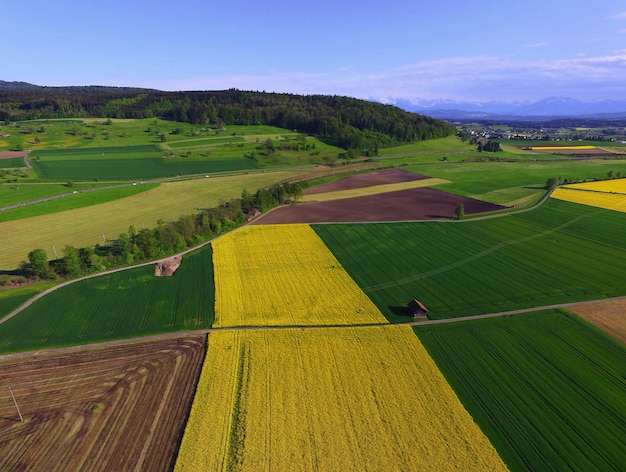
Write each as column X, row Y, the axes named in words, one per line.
column 548, row 108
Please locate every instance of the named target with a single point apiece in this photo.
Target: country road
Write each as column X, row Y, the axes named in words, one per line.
column 175, row 334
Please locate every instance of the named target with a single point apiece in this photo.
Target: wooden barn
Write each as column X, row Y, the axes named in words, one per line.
column 417, row 309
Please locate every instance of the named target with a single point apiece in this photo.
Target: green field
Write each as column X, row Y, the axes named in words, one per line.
column 506, row 182
column 120, row 305
column 546, row 388
column 10, row 299
column 13, row 162
column 474, row 267
column 83, row 198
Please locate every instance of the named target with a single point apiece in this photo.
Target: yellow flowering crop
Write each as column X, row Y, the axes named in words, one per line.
column 284, row 275
column 610, row 201
column 607, row 186
column 328, row 399
column 562, row 148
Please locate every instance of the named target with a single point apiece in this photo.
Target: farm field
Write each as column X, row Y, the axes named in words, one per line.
column 81, row 227
column 402, row 205
column 605, row 186
column 10, row 299
column 474, row 267
column 371, row 190
column 284, row 276
column 139, row 162
column 84, row 197
column 513, row 183
column 120, row 305
column 331, row 399
column 610, row 201
column 546, row 388
column 609, row 316
column 120, row 407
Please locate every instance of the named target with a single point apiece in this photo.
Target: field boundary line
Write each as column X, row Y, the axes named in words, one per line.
column 206, row 331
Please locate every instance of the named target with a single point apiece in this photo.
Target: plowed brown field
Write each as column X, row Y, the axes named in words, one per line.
column 116, row 408
column 401, row 205
column 609, row 316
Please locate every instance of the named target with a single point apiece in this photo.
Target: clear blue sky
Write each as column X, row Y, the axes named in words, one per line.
column 479, row 50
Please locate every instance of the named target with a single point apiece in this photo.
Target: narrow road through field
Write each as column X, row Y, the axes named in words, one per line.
column 175, row 334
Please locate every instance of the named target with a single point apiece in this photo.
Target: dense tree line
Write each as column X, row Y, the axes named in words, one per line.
column 345, row 122
column 136, row 246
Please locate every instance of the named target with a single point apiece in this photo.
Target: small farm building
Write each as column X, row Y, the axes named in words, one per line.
column 417, row 309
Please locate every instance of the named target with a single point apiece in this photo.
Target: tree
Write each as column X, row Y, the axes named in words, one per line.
column 460, row 211
column 553, row 182
column 71, row 263
column 38, row 263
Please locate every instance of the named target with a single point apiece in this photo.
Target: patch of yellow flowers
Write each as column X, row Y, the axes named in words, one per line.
column 368, row 398
column 609, row 194
column 284, row 275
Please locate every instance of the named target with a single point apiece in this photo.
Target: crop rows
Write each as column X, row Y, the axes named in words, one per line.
column 546, row 388
column 124, row 304
column 474, row 267
column 333, row 399
column 284, row 275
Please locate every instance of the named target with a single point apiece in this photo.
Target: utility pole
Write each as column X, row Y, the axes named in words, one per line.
column 16, row 407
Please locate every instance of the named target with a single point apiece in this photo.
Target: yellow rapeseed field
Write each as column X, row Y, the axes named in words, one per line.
column 562, row 148
column 284, row 275
column 610, row 201
column 607, row 186
column 366, row 398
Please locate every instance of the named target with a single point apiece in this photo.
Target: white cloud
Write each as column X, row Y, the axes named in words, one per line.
column 536, row 45
column 619, row 16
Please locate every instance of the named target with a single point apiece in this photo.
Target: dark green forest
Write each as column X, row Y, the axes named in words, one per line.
column 341, row 121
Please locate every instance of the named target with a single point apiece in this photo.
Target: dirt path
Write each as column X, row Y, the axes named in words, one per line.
column 204, row 331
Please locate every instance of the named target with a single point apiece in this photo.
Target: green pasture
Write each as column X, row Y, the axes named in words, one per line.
column 474, row 267
column 120, row 305
column 102, row 132
column 84, row 198
column 513, row 182
column 138, row 169
column 546, row 388
column 22, row 192
column 87, row 226
column 11, row 299
column 12, row 163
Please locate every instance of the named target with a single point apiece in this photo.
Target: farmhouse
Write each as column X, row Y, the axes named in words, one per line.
column 417, row 309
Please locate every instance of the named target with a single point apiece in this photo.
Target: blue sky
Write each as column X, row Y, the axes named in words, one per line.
column 418, row 50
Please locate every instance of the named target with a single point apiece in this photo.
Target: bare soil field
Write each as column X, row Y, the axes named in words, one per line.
column 404, row 205
column 119, row 407
column 609, row 316
column 366, row 180
column 12, row 154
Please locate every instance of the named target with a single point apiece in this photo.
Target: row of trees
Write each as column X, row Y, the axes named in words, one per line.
column 134, row 246
column 345, row 122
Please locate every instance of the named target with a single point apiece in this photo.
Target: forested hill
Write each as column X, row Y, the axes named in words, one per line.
column 346, row 122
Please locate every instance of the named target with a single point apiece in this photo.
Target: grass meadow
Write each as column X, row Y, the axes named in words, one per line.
column 85, row 197
column 547, row 388
column 474, row 267
column 91, row 225
column 119, row 305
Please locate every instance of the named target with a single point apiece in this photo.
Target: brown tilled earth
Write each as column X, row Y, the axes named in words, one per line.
column 115, row 408
column 403, row 205
column 369, row 179
column 609, row 316
column 12, row 154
